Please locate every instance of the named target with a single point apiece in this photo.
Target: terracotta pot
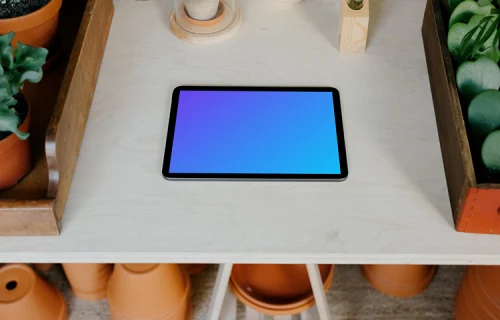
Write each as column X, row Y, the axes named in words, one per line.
column 15, row 157
column 399, row 280
column 194, row 268
column 36, row 29
column 25, row 296
column 276, row 289
column 44, row 267
column 89, row 281
column 149, row 292
column 479, row 294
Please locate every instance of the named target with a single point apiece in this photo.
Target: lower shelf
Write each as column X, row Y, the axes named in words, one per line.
column 350, row 297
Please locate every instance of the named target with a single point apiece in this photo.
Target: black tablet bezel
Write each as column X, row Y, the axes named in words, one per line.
column 239, row 176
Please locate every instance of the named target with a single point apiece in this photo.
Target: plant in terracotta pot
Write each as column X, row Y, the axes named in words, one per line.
column 473, row 41
column 16, row 67
column 34, row 21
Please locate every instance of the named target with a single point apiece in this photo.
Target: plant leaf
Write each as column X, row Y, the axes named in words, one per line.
column 490, row 152
column 466, row 9
column 18, row 79
column 9, row 122
column 474, row 77
column 30, row 58
column 484, row 112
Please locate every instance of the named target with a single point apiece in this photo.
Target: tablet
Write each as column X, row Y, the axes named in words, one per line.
column 255, row 133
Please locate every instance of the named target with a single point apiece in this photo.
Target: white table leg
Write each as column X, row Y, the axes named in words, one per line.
column 319, row 291
column 251, row 314
column 219, row 291
column 229, row 307
column 310, row 314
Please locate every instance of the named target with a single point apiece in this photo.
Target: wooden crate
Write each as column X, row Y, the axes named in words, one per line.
column 60, row 106
column 476, row 206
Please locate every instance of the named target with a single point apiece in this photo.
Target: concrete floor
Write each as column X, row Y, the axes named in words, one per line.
column 350, row 297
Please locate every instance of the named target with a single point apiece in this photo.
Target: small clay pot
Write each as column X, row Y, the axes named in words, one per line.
column 399, row 280
column 37, row 29
column 15, row 155
column 149, row 292
column 276, row 289
column 43, row 267
column 89, row 281
column 479, row 294
column 25, row 296
column 194, row 268
column 202, row 10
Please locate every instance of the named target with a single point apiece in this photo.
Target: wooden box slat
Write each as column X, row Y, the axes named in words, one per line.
column 476, row 207
column 60, row 107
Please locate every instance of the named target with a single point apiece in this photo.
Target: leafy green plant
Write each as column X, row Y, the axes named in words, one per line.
column 16, row 67
column 474, row 77
column 466, row 9
column 477, row 38
column 484, row 112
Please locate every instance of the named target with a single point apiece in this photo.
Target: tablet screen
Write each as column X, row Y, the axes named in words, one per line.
column 252, row 132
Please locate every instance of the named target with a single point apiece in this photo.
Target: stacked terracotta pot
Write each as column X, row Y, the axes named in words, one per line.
column 399, row 280
column 149, row 291
column 479, row 294
column 276, row 289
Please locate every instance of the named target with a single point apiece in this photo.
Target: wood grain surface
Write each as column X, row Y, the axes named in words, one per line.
column 354, row 28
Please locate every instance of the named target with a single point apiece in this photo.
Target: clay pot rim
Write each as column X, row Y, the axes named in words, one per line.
column 282, row 309
column 31, row 20
column 221, row 13
column 9, row 141
column 32, row 276
column 185, row 297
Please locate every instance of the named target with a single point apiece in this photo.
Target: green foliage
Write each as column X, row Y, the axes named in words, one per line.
column 466, row 9
column 477, row 38
column 491, row 152
column 16, row 67
column 484, row 112
column 474, row 77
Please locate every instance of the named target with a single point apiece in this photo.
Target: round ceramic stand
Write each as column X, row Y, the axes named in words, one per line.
column 204, row 32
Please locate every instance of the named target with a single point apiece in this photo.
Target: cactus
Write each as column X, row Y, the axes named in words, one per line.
column 16, row 67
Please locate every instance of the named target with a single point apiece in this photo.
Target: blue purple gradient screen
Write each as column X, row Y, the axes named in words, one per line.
column 244, row 132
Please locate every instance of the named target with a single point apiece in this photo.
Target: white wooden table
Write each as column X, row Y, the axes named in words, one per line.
column 392, row 209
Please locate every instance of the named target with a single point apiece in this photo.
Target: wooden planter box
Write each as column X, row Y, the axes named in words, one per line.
column 60, row 106
column 476, row 206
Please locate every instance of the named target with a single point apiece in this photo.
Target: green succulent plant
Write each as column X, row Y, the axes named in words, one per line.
column 16, row 67
column 491, row 152
column 474, row 77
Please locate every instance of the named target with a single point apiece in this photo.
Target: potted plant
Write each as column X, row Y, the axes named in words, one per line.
column 16, row 67
column 473, row 41
column 34, row 21
column 461, row 41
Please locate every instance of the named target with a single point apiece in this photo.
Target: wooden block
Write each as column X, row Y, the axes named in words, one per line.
column 353, row 30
